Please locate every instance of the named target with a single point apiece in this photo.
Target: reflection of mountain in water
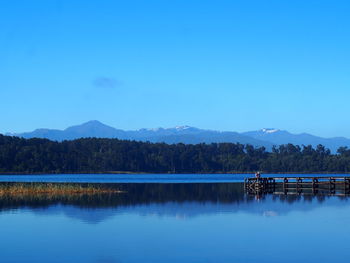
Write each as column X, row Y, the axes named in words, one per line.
column 175, row 200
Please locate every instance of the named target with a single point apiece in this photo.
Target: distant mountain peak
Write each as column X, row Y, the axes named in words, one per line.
column 266, row 137
column 93, row 123
column 269, row 130
column 90, row 125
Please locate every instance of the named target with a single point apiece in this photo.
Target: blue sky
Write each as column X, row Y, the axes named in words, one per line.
column 224, row 65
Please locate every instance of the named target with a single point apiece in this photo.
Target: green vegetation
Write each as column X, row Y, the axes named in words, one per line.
column 52, row 189
column 94, row 155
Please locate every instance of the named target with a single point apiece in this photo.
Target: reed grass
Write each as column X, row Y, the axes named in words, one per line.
column 53, row 189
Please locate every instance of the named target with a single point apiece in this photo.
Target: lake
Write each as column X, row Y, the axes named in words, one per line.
column 139, row 178
column 193, row 220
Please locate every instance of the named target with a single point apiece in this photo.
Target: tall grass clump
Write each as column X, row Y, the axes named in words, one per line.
column 53, row 189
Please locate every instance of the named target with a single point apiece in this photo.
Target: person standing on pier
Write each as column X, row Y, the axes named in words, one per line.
column 258, row 194
column 257, row 175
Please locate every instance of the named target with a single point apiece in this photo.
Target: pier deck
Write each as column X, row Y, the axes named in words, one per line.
column 333, row 185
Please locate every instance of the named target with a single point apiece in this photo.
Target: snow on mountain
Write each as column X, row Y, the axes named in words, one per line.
column 278, row 137
column 178, row 134
column 181, row 128
column 266, row 137
column 269, row 130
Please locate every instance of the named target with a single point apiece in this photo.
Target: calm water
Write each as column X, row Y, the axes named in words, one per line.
column 182, row 222
column 137, row 178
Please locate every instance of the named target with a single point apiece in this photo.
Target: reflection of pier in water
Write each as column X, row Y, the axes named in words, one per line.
column 298, row 185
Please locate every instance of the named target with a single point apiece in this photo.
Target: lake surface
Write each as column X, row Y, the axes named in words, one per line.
column 139, row 178
column 180, row 222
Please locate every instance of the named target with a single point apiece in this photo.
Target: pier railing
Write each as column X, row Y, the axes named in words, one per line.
column 333, row 185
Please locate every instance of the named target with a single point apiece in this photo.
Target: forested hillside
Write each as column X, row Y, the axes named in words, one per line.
column 107, row 155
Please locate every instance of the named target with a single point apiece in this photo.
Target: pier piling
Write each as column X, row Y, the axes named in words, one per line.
column 332, row 185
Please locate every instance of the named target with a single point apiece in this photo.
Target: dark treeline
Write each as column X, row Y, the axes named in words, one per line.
column 20, row 155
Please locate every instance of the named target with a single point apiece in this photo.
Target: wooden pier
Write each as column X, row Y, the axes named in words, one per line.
column 332, row 185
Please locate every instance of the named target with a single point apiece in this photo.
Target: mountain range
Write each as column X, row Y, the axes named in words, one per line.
column 186, row 134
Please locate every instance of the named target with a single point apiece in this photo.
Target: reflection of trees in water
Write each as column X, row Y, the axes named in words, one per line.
column 136, row 194
column 292, row 198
